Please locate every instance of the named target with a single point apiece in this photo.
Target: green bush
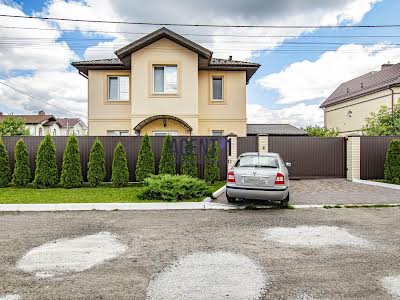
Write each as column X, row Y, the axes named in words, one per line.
column 392, row 163
column 173, row 188
column 167, row 161
column 5, row 171
column 120, row 172
column 96, row 165
column 189, row 160
column 145, row 162
column 46, row 173
column 71, row 174
column 22, row 171
column 211, row 169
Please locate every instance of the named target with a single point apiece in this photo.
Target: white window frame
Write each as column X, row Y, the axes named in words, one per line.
column 164, row 133
column 217, row 130
column 119, row 132
column 119, row 92
column 222, row 87
column 164, row 93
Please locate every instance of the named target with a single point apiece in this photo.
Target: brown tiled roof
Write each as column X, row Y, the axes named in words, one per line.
column 274, row 129
column 31, row 119
column 68, row 122
column 231, row 63
column 365, row 84
column 102, row 62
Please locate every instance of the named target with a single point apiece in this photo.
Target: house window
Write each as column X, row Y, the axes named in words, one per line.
column 117, row 132
column 217, row 132
column 165, row 79
column 54, row 132
column 217, row 89
column 118, row 88
column 164, row 133
column 40, row 131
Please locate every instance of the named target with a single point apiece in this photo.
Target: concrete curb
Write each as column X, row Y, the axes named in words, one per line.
column 219, row 192
column 375, row 183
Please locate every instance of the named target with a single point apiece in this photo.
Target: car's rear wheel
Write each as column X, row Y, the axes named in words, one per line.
column 230, row 199
column 285, row 202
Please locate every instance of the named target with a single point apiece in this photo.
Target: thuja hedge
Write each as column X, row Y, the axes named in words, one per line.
column 392, row 163
column 46, row 172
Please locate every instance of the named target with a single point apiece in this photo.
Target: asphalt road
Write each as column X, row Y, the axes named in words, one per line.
column 156, row 240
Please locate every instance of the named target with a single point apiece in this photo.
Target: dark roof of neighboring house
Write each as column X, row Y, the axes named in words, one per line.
column 274, row 129
column 206, row 62
column 371, row 82
column 68, row 122
column 32, row 119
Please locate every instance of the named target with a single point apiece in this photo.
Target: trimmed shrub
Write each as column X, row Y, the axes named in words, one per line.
column 211, row 169
column 96, row 165
column 71, row 174
column 167, row 161
column 392, row 163
column 189, row 160
column 145, row 163
column 46, row 173
column 173, row 188
column 120, row 172
column 22, row 171
column 5, row 171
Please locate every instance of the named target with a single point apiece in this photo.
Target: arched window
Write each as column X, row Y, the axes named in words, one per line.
column 54, row 132
column 40, row 131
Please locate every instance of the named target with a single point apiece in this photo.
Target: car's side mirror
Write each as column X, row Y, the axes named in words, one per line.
column 288, row 164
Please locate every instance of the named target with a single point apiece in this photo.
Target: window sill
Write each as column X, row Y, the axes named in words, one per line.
column 117, row 102
column 217, row 102
column 161, row 95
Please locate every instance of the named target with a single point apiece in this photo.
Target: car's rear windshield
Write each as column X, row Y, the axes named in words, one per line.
column 261, row 161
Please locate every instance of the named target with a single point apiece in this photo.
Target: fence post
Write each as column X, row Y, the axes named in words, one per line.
column 263, row 143
column 353, row 157
column 232, row 156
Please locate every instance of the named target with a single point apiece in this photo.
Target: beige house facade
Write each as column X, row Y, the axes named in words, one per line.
column 353, row 101
column 164, row 84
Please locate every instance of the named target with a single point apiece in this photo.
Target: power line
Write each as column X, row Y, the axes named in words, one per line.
column 40, row 100
column 201, row 25
column 207, row 35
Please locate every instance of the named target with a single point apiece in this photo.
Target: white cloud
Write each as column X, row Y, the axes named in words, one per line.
column 308, row 80
column 299, row 115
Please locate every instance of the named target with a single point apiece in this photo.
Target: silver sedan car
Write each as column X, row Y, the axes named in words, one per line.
column 259, row 176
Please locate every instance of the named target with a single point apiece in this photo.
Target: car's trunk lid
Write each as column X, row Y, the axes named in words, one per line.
column 255, row 176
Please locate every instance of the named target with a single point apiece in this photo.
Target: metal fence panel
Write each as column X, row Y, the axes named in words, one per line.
column 132, row 148
column 373, row 155
column 247, row 144
column 311, row 157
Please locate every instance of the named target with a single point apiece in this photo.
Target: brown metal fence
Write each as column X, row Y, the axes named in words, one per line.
column 247, row 144
column 373, row 155
column 311, row 157
column 132, row 147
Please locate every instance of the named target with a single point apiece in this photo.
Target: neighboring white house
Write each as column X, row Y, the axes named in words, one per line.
column 353, row 101
column 42, row 124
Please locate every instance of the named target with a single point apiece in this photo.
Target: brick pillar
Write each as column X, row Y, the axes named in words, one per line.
column 233, row 155
column 353, row 157
column 263, row 143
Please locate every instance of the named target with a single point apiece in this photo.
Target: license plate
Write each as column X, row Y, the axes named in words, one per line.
column 254, row 180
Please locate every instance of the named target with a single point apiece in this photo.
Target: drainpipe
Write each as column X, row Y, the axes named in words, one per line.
column 392, row 98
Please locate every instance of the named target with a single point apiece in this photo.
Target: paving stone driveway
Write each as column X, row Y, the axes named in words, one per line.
column 336, row 191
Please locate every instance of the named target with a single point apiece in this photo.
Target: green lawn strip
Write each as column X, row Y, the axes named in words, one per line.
column 101, row 194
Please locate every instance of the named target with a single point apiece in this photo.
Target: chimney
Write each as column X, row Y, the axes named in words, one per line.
column 388, row 64
column 41, row 113
column 230, row 57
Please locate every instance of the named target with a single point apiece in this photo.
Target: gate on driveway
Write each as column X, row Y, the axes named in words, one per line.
column 311, row 157
column 247, row 144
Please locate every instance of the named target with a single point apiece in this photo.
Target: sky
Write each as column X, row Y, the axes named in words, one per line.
column 300, row 67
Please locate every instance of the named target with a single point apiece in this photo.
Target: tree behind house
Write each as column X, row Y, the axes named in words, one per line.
column 384, row 122
column 321, row 131
column 392, row 163
column 96, row 165
column 211, row 170
column 46, row 173
column 120, row 172
column 5, row 171
column 22, row 171
column 145, row 163
column 167, row 161
column 13, row 126
column 189, row 160
column 71, row 174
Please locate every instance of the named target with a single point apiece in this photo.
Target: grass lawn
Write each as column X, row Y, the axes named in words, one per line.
column 101, row 194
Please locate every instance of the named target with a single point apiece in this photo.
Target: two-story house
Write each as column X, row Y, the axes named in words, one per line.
column 163, row 84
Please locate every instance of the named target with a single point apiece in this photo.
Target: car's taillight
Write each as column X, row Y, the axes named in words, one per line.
column 231, row 176
column 280, row 178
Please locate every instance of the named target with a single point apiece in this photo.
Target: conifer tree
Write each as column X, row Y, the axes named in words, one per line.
column 96, row 165
column 120, row 172
column 189, row 160
column 22, row 171
column 5, row 171
column 71, row 174
column 145, row 163
column 167, row 161
column 46, row 173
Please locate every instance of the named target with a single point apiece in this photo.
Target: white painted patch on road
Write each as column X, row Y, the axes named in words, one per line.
column 10, row 297
column 71, row 255
column 219, row 275
column 314, row 236
column 392, row 285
